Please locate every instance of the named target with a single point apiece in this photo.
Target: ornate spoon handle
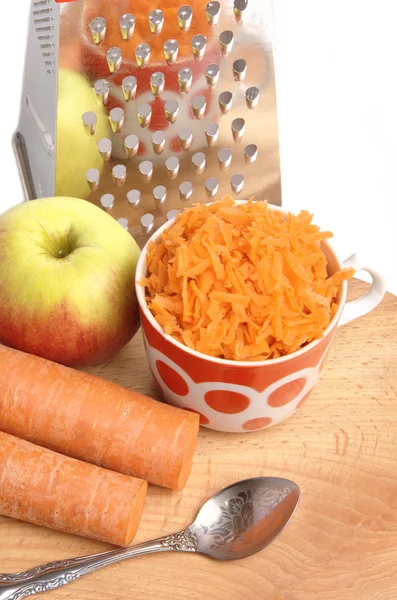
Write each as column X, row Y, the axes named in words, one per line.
column 15, row 586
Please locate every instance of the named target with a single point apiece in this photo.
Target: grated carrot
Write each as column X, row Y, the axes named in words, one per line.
column 242, row 282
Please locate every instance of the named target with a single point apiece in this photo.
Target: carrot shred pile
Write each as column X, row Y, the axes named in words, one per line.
column 242, row 282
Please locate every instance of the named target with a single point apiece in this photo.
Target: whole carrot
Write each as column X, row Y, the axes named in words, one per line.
column 46, row 488
column 94, row 420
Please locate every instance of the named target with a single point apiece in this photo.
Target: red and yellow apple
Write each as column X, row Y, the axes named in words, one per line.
column 67, row 288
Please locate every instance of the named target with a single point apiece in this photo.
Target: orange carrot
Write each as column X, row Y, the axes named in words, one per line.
column 245, row 266
column 46, row 488
column 94, row 420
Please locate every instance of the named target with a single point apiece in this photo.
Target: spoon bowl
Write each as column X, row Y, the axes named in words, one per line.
column 245, row 517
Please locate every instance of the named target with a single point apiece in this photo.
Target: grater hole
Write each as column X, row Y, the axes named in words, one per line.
column 114, row 57
column 238, row 129
column 239, row 8
column 89, row 122
column 172, row 166
column 98, row 29
column 119, row 173
column 147, row 223
column 211, row 186
column 129, row 86
column 186, row 137
column 199, row 104
column 144, row 115
column 131, row 145
column 93, row 176
column 213, row 12
column 171, row 49
column 185, row 15
column 225, row 101
column 185, row 190
column 185, row 79
column 101, row 88
column 142, row 55
column 199, row 43
column 251, row 153
column 252, row 97
column 224, row 158
column 146, row 170
column 158, row 141
column 198, row 161
column 171, row 109
column 134, row 198
column 212, row 74
column 123, row 222
column 226, row 42
column 157, row 83
column 239, row 69
column 212, row 133
column 156, row 21
column 237, row 182
column 107, row 201
column 116, row 117
column 127, row 26
column 160, row 194
column 105, row 148
column 171, row 214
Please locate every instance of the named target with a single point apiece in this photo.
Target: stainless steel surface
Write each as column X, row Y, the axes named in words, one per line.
column 198, row 161
column 236, row 523
column 171, row 110
column 157, row 83
column 197, row 81
column 146, row 170
column 224, row 158
column 172, row 165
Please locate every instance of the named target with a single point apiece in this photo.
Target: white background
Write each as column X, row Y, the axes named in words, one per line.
column 336, row 66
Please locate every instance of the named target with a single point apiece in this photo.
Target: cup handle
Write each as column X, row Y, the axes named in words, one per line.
column 370, row 300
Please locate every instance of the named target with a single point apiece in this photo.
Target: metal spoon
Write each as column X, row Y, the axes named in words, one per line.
column 237, row 522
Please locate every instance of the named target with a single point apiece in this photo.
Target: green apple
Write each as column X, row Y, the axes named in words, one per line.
column 67, row 289
column 77, row 151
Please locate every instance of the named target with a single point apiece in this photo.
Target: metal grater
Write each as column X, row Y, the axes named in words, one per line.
column 183, row 105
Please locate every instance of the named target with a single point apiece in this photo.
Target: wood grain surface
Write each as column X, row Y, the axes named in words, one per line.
column 341, row 449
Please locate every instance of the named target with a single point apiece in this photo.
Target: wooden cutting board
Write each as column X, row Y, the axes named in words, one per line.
column 341, row 449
